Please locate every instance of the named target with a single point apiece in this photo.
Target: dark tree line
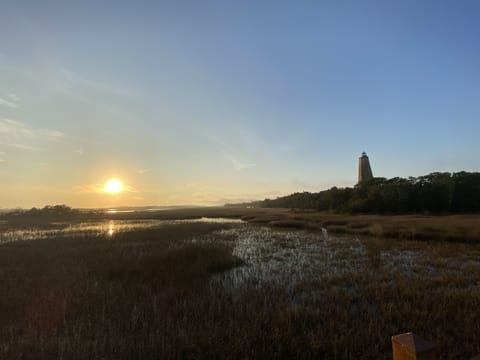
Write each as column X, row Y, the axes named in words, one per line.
column 435, row 193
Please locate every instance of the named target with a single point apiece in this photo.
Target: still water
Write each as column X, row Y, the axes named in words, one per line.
column 99, row 228
column 282, row 256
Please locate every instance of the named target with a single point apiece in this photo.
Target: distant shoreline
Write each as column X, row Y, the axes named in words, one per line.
column 452, row 228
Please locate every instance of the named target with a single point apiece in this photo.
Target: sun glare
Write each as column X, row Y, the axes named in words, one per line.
column 113, row 186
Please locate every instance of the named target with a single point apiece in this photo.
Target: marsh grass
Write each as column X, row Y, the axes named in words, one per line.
column 373, row 250
column 217, row 291
column 452, row 228
column 83, row 296
column 296, row 224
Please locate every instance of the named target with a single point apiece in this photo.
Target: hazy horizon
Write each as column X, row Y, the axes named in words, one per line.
column 207, row 103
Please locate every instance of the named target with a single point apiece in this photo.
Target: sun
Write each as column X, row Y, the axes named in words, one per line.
column 113, row 186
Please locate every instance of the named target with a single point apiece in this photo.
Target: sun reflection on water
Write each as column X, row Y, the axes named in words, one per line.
column 110, row 228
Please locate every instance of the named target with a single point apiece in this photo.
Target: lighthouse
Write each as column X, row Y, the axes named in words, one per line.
column 364, row 169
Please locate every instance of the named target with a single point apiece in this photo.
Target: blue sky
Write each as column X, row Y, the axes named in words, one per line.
column 203, row 102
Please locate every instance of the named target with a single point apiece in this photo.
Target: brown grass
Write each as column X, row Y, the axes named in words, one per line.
column 151, row 294
column 455, row 228
column 82, row 297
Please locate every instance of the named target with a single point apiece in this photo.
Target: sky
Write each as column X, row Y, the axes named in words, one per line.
column 208, row 102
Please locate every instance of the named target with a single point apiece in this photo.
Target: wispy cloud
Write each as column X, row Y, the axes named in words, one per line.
column 79, row 151
column 14, row 97
column 54, row 76
column 213, row 195
column 88, row 189
column 49, row 134
column 71, row 79
column 237, row 164
column 142, row 171
column 100, row 189
column 9, row 104
column 80, row 87
column 20, row 146
column 236, row 146
column 19, row 135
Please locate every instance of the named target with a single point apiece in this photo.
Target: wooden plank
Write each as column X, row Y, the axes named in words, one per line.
column 410, row 346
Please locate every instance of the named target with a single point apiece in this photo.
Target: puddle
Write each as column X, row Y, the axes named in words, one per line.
column 213, row 220
column 280, row 256
column 288, row 257
column 100, row 228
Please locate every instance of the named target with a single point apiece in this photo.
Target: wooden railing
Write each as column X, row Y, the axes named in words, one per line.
column 410, row 346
